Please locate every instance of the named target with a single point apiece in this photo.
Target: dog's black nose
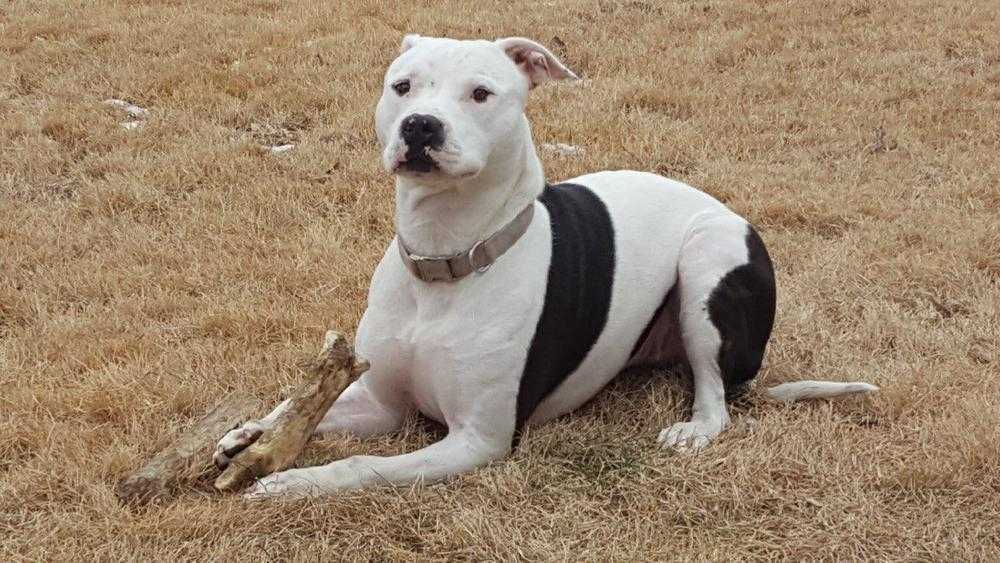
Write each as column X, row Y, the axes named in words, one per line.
column 422, row 131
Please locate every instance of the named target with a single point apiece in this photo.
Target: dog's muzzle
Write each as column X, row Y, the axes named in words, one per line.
column 421, row 133
column 479, row 258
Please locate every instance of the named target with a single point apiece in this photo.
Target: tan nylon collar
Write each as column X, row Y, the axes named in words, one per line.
column 479, row 258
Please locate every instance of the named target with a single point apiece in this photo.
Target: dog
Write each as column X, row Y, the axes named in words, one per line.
column 506, row 301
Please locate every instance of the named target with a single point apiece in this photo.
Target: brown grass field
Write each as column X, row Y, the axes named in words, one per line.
column 146, row 273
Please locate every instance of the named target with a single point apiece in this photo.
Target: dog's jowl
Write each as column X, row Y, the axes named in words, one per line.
column 505, row 301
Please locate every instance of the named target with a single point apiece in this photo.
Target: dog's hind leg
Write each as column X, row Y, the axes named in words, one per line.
column 727, row 300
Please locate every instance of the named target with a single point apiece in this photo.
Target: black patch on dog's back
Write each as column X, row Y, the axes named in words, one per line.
column 742, row 309
column 577, row 294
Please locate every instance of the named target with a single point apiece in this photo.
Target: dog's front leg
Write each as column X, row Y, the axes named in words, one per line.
column 356, row 412
column 459, row 452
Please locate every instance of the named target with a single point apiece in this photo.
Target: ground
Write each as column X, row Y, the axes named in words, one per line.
column 147, row 272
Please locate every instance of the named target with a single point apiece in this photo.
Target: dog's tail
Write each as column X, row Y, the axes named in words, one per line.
column 801, row 390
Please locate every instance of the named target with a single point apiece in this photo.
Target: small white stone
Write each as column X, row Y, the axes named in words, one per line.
column 562, row 149
column 131, row 125
column 132, row 110
column 279, row 149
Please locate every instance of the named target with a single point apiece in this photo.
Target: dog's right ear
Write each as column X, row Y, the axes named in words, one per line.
column 409, row 40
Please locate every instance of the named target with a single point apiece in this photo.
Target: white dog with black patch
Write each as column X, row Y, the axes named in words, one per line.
column 505, row 301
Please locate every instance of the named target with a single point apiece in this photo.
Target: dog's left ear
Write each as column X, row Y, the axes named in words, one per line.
column 535, row 61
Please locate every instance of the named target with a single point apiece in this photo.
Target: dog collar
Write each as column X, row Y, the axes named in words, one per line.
column 479, row 258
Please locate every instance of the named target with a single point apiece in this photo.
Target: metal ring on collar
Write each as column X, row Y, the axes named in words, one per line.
column 472, row 257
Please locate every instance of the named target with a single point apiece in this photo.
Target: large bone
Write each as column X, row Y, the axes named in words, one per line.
column 334, row 368
column 186, row 456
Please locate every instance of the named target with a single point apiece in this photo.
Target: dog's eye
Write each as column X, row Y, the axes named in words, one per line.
column 480, row 94
column 401, row 87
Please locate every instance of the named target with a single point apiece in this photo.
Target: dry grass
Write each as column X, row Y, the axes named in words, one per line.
column 147, row 272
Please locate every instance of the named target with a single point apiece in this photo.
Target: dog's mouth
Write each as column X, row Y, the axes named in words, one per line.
column 418, row 159
column 429, row 162
column 420, row 163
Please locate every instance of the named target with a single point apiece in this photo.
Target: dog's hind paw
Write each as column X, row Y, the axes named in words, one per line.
column 235, row 441
column 689, row 436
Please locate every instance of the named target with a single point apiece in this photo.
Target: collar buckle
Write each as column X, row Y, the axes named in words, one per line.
column 487, row 260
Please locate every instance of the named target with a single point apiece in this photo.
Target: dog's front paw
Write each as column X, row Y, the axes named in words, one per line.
column 235, row 441
column 286, row 485
column 689, row 436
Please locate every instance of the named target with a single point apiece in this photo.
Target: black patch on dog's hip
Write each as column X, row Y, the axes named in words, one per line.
column 742, row 309
column 577, row 294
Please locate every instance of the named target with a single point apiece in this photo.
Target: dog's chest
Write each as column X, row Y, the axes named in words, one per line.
column 449, row 346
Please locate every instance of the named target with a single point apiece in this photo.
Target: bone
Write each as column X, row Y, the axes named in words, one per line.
column 562, row 149
column 187, row 456
column 133, row 111
column 334, row 368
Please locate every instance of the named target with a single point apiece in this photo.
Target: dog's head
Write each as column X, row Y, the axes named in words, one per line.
column 447, row 104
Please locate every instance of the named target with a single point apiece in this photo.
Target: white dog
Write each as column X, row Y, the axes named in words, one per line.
column 506, row 301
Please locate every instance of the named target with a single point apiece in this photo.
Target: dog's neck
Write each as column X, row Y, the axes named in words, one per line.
column 446, row 219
